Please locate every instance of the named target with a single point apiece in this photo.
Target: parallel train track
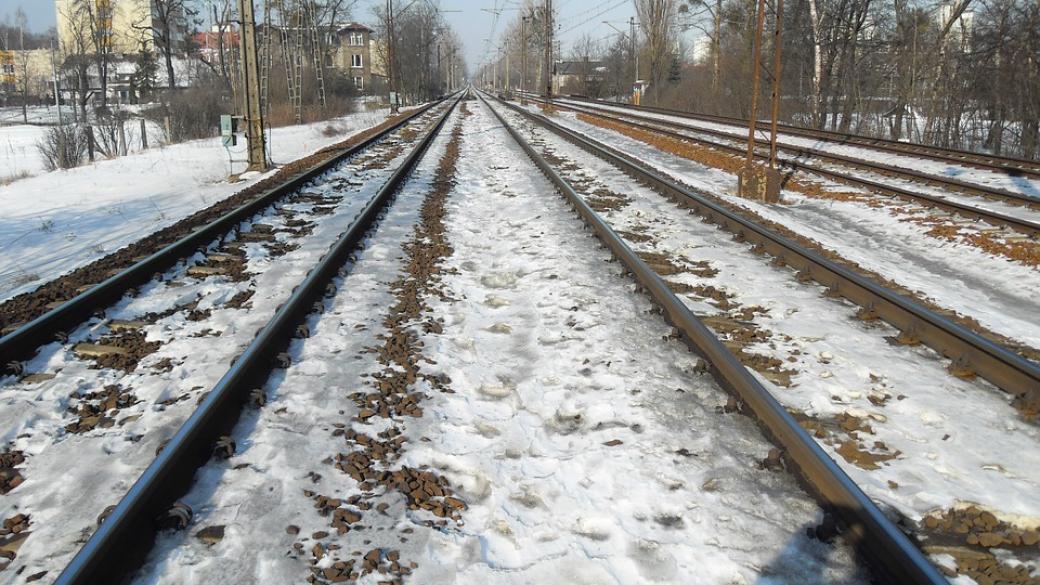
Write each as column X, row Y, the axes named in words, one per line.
column 795, row 163
column 1017, row 167
column 124, row 537
column 891, row 555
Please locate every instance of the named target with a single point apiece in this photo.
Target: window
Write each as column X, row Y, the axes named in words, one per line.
column 357, row 39
column 359, row 82
column 355, row 60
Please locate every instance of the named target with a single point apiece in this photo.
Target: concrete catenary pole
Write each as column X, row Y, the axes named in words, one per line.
column 523, row 58
column 548, row 51
column 394, row 98
column 251, row 82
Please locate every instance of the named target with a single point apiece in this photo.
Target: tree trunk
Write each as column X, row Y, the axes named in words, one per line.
column 817, row 82
column 716, row 54
column 169, row 68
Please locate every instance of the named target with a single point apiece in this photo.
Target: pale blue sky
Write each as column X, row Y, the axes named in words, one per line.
column 474, row 22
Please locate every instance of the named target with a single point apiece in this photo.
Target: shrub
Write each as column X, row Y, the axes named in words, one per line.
column 63, row 147
column 193, row 113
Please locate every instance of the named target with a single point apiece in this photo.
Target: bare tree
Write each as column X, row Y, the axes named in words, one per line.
column 656, row 18
column 165, row 25
column 22, row 23
column 418, row 30
column 75, row 51
column 95, row 18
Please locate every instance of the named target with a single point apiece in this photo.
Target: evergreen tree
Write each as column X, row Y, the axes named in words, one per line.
column 145, row 69
column 675, row 71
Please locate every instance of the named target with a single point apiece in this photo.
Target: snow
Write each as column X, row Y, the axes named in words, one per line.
column 55, row 222
column 71, row 478
column 986, row 178
column 18, row 152
column 550, row 355
column 958, row 441
column 998, row 292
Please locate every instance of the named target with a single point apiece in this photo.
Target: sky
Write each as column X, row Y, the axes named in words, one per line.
column 41, row 13
column 473, row 21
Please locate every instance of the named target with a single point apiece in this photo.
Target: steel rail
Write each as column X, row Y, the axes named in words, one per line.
column 121, row 542
column 969, row 351
column 891, row 554
column 970, row 211
column 902, row 172
column 24, row 341
column 1012, row 166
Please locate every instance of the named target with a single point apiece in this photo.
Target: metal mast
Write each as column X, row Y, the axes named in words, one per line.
column 319, row 64
column 548, row 51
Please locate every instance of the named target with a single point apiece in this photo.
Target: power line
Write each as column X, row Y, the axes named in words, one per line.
column 584, row 21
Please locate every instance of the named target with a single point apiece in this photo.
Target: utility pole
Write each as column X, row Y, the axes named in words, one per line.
column 57, row 91
column 548, row 52
column 390, row 58
column 509, row 78
column 251, row 82
column 777, row 68
column 635, row 48
column 523, row 59
column 754, row 181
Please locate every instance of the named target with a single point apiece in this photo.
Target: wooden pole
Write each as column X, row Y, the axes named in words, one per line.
column 777, row 68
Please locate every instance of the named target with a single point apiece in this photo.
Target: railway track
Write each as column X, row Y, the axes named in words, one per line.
column 21, row 340
column 968, row 351
column 372, row 515
column 794, row 164
column 313, row 215
column 892, row 556
column 1015, row 167
column 184, row 468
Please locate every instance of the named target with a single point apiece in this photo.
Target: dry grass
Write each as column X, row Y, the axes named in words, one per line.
column 18, row 176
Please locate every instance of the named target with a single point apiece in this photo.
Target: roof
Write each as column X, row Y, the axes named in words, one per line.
column 579, row 67
column 354, row 26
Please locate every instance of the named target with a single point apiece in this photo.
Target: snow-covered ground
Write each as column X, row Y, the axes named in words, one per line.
column 35, row 114
column 55, row 222
column 946, row 441
column 583, row 441
column 18, row 152
column 999, row 293
column 70, row 477
column 969, row 174
column 994, row 205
